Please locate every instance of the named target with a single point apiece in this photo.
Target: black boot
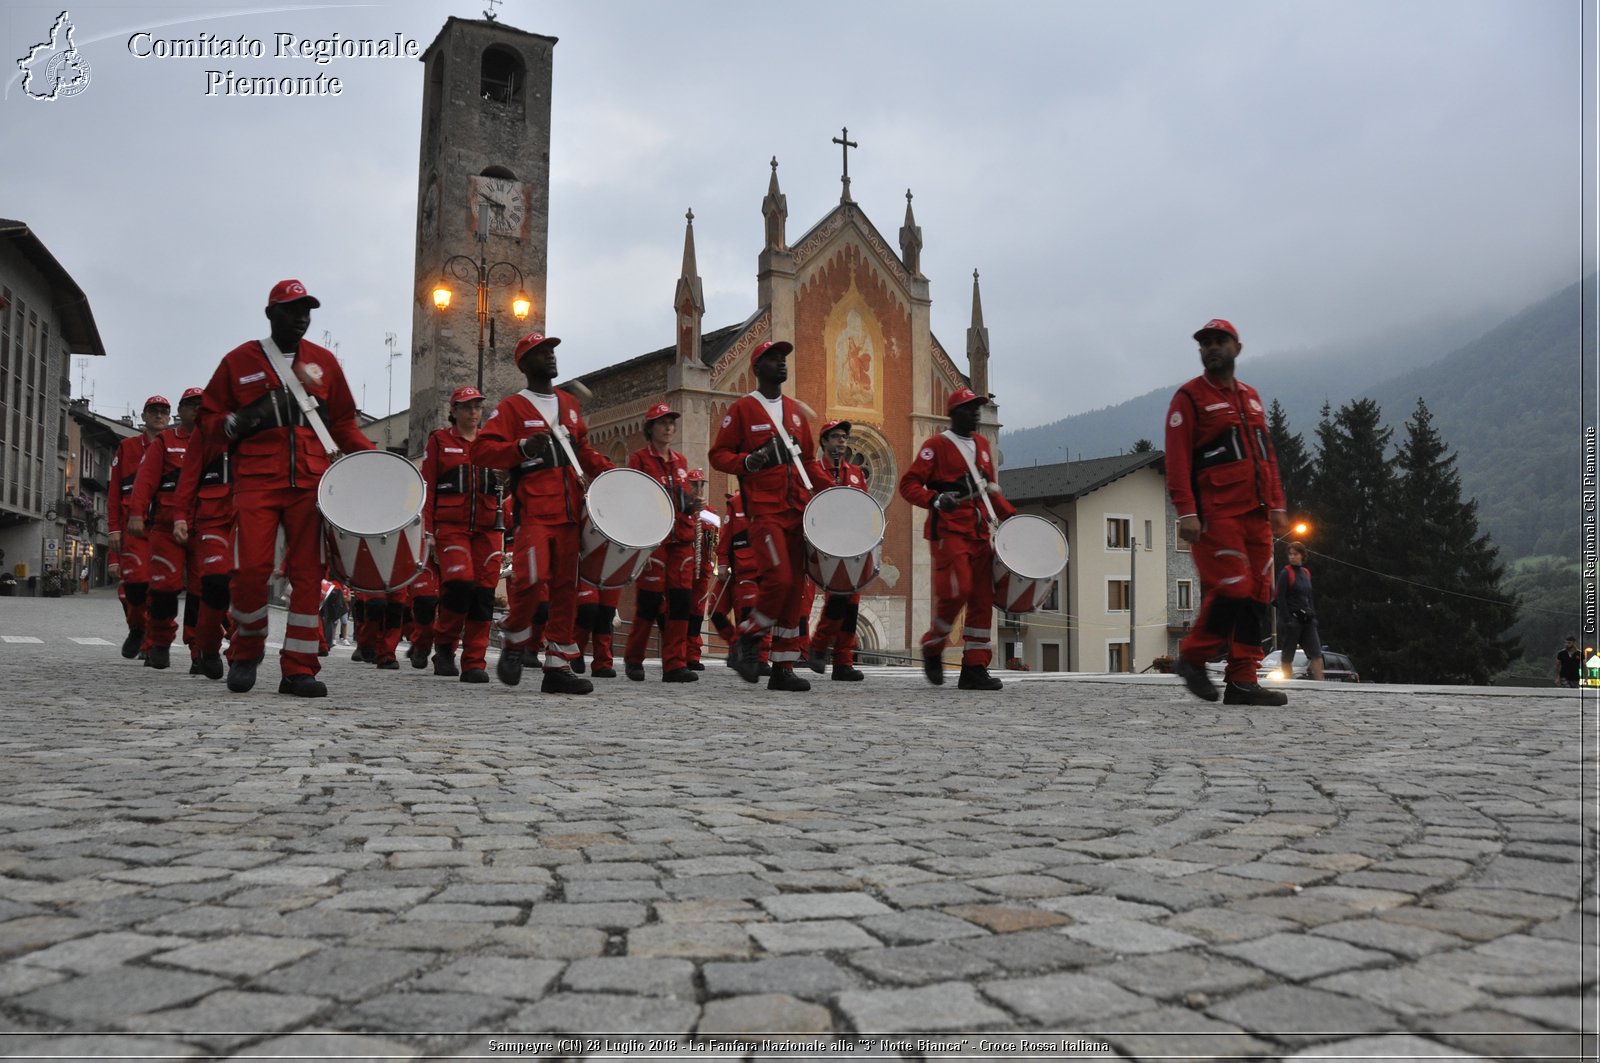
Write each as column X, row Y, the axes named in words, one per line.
column 562, row 681
column 844, row 673
column 783, row 678
column 160, row 657
column 509, row 668
column 242, row 675
column 742, row 658
column 303, row 686
column 977, row 677
column 933, row 666
column 579, row 666
column 131, row 644
column 679, row 675
column 209, row 665
column 444, row 662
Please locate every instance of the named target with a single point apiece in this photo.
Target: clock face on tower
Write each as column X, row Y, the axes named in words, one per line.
column 508, row 205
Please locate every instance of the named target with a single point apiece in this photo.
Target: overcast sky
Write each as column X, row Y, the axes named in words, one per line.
column 1118, row 172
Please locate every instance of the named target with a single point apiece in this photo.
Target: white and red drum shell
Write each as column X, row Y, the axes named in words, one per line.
column 1029, row 553
column 844, row 539
column 371, row 503
column 627, row 515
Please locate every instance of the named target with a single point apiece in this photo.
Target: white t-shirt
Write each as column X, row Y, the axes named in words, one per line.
column 549, row 406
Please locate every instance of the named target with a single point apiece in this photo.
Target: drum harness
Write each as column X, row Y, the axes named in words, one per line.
column 979, row 483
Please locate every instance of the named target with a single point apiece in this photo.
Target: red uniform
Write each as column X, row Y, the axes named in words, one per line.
column 155, row 492
column 670, row 574
column 775, row 499
column 1221, row 468
column 700, row 592
column 835, row 636
column 960, row 542
column 133, row 555
column 467, row 547
column 549, row 504
column 204, row 501
column 736, row 593
column 276, row 472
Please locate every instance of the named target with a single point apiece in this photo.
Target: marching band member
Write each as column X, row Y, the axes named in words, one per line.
column 736, row 593
column 707, row 524
column 203, row 519
column 132, row 554
column 538, row 433
column 251, row 406
column 836, row 627
column 670, row 574
column 467, row 543
column 952, row 478
column 597, row 613
column 765, row 441
column 154, row 496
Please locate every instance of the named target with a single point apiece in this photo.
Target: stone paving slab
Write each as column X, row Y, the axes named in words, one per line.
column 410, row 864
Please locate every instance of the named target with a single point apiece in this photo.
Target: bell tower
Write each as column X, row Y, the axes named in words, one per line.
column 483, row 211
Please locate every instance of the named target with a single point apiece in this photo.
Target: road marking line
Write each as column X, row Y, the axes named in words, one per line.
column 93, row 642
column 20, row 638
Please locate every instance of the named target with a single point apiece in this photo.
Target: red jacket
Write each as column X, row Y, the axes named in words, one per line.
column 775, row 490
column 671, row 472
column 1220, row 461
column 459, row 491
column 847, row 474
column 733, row 546
column 941, row 467
column 205, row 488
column 289, row 456
column 544, row 490
column 124, row 469
column 155, row 489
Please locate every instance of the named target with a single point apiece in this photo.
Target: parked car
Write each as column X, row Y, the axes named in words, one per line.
column 1336, row 668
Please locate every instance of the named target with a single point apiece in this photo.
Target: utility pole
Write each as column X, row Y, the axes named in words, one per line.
column 1133, row 564
column 388, row 423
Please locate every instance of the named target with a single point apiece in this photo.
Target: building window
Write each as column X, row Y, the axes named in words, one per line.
column 1117, row 595
column 1052, row 601
column 1178, row 544
column 1149, row 535
column 501, row 75
column 1119, row 532
column 871, row 451
column 1185, row 595
column 1118, row 659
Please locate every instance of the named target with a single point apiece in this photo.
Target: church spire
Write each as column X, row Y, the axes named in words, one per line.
column 776, row 210
column 978, row 343
column 689, row 300
column 911, row 241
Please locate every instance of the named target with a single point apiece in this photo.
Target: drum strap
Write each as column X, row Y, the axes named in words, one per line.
column 307, row 404
column 783, row 437
column 977, row 477
column 563, row 437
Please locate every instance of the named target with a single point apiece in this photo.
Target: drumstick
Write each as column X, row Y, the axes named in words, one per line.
column 580, row 389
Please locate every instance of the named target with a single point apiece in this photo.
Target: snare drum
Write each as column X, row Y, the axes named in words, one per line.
column 1029, row 552
column 627, row 515
column 844, row 539
column 371, row 503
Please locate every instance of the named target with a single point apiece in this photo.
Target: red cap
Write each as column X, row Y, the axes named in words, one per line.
column 157, row 400
column 465, row 394
column 782, row 347
column 1217, row 324
column 829, row 426
column 658, row 411
column 697, row 475
column 291, row 292
column 962, row 396
column 530, row 341
column 189, row 393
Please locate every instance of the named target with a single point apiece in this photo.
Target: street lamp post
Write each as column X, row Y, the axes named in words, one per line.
column 484, row 275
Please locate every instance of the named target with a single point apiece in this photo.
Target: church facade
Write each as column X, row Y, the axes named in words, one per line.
column 857, row 310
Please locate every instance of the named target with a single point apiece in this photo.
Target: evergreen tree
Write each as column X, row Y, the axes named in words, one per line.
column 1143, row 446
column 1454, row 628
column 1294, row 463
column 1351, row 502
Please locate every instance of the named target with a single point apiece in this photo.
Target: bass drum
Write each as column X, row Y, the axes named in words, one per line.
column 627, row 514
column 371, row 504
column 844, row 539
column 1029, row 553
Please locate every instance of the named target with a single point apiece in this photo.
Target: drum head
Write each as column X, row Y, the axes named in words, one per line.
column 371, row 492
column 843, row 522
column 1030, row 546
column 630, row 508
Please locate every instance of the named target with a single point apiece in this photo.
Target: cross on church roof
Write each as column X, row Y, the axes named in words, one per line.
column 846, row 143
column 489, row 14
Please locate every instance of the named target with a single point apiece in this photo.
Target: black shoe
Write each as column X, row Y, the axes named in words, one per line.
column 389, row 664
column 159, row 657
column 445, row 664
column 818, row 660
column 475, row 675
column 679, row 675
column 578, row 665
column 977, row 677
column 242, row 675
column 131, row 644
column 194, row 667
column 303, row 686
column 635, row 672
column 363, row 655
column 322, row 653
column 1253, row 694
column 763, row 669
column 418, row 660
column 933, row 667
column 742, row 658
column 785, row 679
column 696, row 666
column 209, row 665
column 562, row 681
column 605, row 673
column 509, row 668
column 844, row 673
column 1194, row 677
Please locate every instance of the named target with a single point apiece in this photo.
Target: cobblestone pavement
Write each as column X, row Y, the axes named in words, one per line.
column 416, row 867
